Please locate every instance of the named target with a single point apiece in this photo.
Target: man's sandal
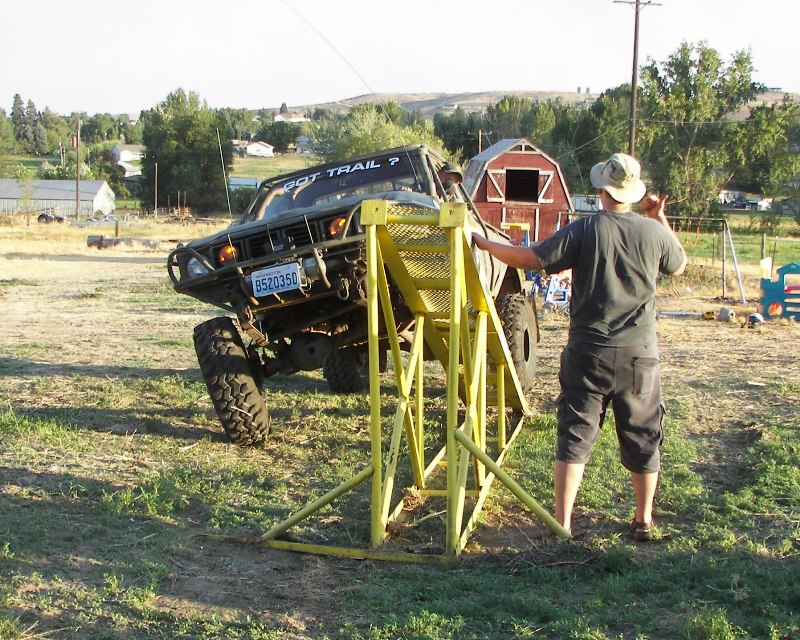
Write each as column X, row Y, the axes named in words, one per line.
column 642, row 531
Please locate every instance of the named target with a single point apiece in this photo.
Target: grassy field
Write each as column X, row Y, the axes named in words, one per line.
column 262, row 168
column 115, row 474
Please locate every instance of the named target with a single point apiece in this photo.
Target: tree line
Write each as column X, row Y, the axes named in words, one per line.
column 700, row 129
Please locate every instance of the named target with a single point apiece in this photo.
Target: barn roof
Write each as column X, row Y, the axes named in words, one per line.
column 12, row 189
column 478, row 164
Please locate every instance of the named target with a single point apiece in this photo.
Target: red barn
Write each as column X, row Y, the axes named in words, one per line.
column 513, row 184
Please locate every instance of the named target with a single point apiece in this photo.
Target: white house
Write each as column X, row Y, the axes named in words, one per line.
column 260, row 149
column 130, row 169
column 290, row 117
column 128, row 152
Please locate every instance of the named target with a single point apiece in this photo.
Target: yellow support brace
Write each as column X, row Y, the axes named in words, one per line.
column 426, row 256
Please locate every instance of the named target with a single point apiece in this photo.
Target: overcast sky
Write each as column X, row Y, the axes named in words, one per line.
column 102, row 56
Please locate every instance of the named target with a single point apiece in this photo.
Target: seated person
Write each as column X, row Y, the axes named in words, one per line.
column 450, row 175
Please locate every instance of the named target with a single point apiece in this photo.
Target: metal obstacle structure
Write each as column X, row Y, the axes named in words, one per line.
column 426, row 255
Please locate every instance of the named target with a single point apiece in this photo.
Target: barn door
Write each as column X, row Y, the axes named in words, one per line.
column 519, row 185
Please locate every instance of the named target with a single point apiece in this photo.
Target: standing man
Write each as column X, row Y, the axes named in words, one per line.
column 611, row 354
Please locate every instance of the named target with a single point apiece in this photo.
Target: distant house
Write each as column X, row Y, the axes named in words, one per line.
column 22, row 196
column 290, row 117
column 130, row 169
column 260, row 150
column 128, row 152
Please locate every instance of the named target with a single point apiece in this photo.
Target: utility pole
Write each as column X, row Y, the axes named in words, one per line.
column 638, row 6
column 78, row 170
column 155, row 193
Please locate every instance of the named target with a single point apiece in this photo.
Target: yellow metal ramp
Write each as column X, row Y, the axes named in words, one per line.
column 425, row 255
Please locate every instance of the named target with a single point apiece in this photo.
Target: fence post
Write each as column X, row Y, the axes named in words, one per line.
column 724, row 256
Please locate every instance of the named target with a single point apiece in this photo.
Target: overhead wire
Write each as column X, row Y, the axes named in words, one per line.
column 354, row 70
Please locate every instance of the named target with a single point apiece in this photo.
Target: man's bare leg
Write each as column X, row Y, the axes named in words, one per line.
column 644, row 489
column 567, row 480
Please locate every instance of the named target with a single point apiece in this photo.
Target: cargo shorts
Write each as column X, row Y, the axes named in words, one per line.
column 629, row 379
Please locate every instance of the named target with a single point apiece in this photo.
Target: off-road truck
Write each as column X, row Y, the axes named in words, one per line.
column 292, row 272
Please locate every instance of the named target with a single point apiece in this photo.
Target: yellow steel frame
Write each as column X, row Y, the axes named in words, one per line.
column 427, row 256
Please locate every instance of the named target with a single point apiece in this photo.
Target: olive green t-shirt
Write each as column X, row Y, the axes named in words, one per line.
column 615, row 260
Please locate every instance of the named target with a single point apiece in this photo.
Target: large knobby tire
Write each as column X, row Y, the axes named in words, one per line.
column 519, row 325
column 347, row 370
column 230, row 381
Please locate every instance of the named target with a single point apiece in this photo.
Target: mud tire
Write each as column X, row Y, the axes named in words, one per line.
column 521, row 331
column 347, row 370
column 231, row 383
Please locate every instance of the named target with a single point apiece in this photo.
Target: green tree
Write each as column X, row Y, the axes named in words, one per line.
column 6, row 134
column 611, row 114
column 279, row 134
column 367, row 129
column 31, row 139
column 461, row 132
column 687, row 133
column 99, row 128
column 180, row 136
column 18, row 120
column 512, row 117
column 240, row 198
column 57, row 131
column 130, row 132
column 767, row 147
column 239, row 121
column 39, row 138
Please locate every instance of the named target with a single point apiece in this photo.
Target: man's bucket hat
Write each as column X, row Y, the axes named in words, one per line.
column 620, row 177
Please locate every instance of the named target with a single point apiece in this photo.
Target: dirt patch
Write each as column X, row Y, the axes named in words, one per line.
column 292, row 589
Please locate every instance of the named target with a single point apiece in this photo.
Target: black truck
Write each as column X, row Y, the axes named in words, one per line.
column 292, row 274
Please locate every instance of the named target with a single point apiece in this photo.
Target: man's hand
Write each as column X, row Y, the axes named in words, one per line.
column 513, row 256
column 654, row 206
column 479, row 241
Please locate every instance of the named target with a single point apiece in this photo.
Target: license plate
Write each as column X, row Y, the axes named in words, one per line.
column 284, row 277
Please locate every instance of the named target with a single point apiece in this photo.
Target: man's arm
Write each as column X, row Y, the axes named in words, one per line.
column 517, row 257
column 654, row 207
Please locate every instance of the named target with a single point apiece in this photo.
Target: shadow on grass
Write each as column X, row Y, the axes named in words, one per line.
column 16, row 367
column 72, row 563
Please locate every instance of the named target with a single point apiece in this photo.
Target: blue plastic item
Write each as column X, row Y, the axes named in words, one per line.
column 779, row 299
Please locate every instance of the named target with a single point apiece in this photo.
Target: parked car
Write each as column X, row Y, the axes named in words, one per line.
column 293, row 273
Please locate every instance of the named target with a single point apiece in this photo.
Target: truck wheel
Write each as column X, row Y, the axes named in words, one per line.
column 230, row 381
column 519, row 326
column 346, row 370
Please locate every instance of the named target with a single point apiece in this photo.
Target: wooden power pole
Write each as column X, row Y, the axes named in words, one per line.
column 638, row 5
column 78, row 170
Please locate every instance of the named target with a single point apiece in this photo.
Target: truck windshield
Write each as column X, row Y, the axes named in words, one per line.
column 321, row 186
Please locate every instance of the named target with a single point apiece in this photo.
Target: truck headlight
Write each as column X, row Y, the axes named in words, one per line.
column 195, row 268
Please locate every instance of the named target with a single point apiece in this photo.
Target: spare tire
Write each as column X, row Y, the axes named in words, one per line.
column 230, row 380
column 522, row 333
